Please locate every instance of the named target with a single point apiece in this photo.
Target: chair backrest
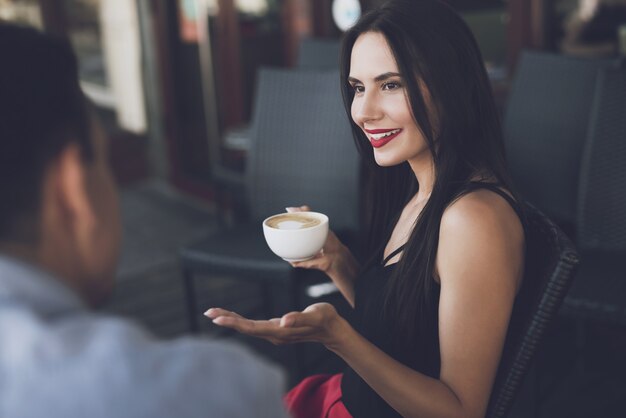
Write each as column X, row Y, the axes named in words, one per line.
column 602, row 195
column 549, row 269
column 545, row 127
column 302, row 148
column 319, row 53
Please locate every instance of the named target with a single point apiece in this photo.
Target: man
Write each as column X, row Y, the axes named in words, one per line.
column 59, row 238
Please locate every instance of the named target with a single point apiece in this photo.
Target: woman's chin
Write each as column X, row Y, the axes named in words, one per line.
column 386, row 160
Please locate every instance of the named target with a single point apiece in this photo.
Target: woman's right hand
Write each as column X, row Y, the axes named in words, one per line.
column 335, row 259
column 331, row 254
column 328, row 259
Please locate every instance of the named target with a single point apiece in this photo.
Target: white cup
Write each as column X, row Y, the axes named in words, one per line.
column 296, row 236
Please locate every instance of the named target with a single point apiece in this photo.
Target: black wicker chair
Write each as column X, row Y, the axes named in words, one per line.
column 302, row 153
column 313, row 54
column 545, row 128
column 599, row 291
column 550, row 263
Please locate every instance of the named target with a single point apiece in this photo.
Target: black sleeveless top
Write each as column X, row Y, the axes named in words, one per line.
column 420, row 353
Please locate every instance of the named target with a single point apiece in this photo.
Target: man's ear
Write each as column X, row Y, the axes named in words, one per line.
column 70, row 191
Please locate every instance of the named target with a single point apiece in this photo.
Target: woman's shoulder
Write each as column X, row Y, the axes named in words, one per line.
column 482, row 219
column 480, row 228
column 482, row 208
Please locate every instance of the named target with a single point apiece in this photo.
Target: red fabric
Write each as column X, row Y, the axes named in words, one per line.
column 317, row 396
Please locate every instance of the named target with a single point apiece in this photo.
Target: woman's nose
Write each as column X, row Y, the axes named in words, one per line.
column 365, row 108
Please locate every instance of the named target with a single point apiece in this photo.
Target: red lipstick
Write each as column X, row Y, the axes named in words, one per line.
column 377, row 143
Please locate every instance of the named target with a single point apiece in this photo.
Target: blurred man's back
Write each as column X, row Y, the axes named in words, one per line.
column 59, row 238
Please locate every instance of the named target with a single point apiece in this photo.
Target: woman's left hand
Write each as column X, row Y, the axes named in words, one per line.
column 319, row 322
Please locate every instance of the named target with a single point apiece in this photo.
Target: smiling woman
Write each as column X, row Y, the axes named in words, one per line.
column 433, row 302
column 380, row 106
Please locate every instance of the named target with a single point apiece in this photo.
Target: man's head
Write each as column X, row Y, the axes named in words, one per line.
column 58, row 204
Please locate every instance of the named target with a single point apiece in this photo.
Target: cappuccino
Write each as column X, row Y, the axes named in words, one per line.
column 296, row 236
column 293, row 221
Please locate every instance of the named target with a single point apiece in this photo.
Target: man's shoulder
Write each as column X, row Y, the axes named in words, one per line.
column 109, row 360
column 98, row 338
column 78, row 332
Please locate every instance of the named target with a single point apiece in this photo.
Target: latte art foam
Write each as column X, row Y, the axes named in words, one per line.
column 293, row 221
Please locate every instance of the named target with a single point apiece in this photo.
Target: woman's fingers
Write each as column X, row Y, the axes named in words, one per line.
column 269, row 330
column 309, row 318
column 311, row 262
column 315, row 315
column 213, row 313
column 233, row 320
column 303, row 208
column 246, row 326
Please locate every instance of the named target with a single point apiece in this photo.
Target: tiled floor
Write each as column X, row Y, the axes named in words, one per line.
column 570, row 380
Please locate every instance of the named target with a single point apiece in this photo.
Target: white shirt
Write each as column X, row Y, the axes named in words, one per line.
column 58, row 359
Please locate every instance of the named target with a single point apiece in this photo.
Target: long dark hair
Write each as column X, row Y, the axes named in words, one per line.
column 430, row 43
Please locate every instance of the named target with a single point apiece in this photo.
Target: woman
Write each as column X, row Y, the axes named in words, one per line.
column 433, row 304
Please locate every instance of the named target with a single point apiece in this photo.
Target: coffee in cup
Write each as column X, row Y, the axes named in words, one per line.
column 296, row 236
column 296, row 220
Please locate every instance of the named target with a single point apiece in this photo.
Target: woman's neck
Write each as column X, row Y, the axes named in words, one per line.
column 424, row 171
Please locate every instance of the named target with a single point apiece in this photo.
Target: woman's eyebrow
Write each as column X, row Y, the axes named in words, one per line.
column 377, row 79
column 385, row 76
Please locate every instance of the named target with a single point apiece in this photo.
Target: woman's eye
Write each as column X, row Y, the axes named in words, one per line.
column 358, row 88
column 391, row 85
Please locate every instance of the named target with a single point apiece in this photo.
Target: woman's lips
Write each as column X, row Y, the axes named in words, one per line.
column 381, row 137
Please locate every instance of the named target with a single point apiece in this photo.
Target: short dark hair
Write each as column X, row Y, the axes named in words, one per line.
column 42, row 111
